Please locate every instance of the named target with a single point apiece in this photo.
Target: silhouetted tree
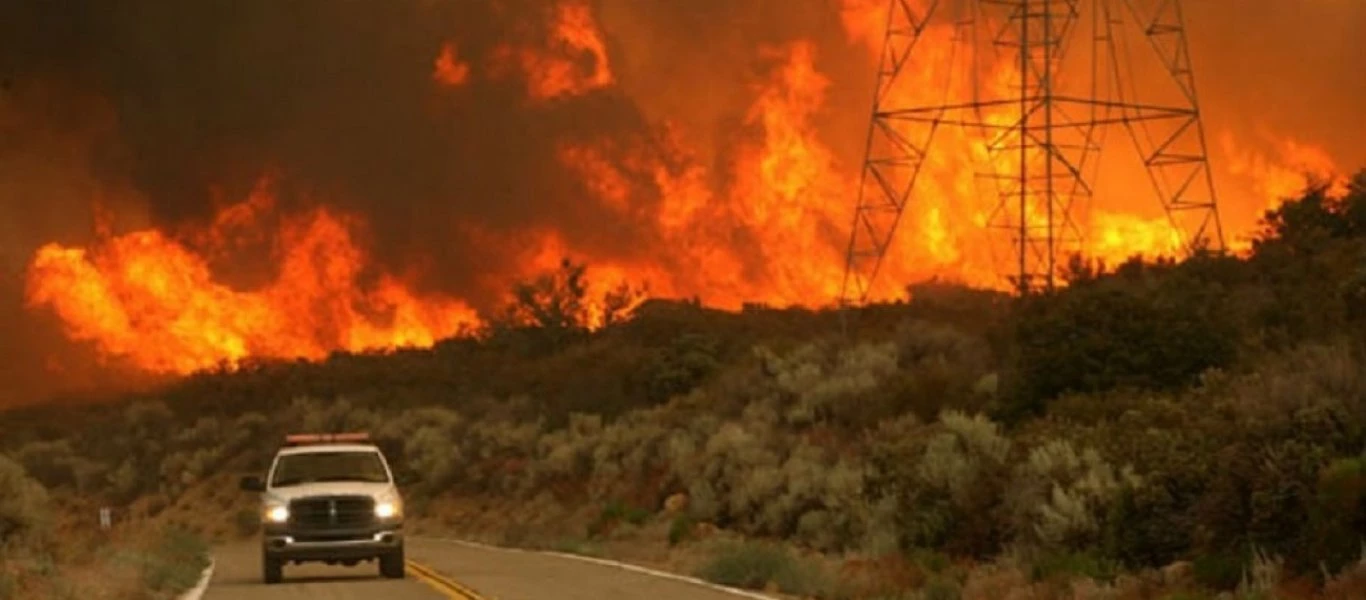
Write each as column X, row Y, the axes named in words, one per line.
column 555, row 309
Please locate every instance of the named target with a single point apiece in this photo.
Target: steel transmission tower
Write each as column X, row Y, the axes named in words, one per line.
column 1008, row 74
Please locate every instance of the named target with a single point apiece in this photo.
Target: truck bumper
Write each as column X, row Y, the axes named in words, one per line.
column 331, row 545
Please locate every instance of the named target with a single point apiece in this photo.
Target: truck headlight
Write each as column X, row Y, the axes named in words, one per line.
column 385, row 510
column 277, row 514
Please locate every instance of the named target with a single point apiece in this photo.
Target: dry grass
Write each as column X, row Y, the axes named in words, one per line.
column 52, row 547
column 135, row 561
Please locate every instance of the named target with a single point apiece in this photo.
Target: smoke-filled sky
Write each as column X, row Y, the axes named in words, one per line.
column 164, row 112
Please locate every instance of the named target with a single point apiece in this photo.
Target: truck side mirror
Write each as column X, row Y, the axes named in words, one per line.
column 252, row 483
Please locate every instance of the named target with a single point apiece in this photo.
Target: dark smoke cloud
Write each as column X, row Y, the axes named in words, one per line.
column 337, row 97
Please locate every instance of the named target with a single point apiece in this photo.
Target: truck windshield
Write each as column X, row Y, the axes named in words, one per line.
column 312, row 467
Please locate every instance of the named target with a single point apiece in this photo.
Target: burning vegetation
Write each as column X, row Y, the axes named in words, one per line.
column 431, row 156
column 153, row 299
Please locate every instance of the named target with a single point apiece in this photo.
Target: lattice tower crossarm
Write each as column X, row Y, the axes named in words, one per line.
column 1041, row 142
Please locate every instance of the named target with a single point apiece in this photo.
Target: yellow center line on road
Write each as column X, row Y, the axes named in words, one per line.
column 447, row 586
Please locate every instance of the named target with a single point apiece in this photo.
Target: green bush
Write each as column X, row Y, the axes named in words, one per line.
column 1150, row 526
column 1337, row 522
column 23, row 503
column 175, row 562
column 614, row 513
column 932, row 561
column 679, row 367
column 681, row 529
column 753, row 565
column 950, row 485
column 1059, row 497
column 823, row 384
column 1073, row 564
column 51, row 463
column 1144, row 330
column 942, row 588
column 1220, row 569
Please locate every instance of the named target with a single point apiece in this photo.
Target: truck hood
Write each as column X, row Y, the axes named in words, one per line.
column 330, row 488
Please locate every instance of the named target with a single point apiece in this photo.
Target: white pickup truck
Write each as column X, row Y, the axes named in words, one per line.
column 329, row 498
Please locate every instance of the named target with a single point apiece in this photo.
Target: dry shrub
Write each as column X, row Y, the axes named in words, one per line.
column 956, row 486
column 314, row 415
column 1262, row 576
column 920, row 341
column 737, row 469
column 1059, row 497
column 23, row 503
column 1350, row 583
column 767, row 471
column 757, row 565
column 818, row 383
column 762, row 482
column 1007, row 578
column 629, row 458
column 1090, row 589
column 174, row 561
column 497, row 455
column 566, row 455
column 889, row 576
column 999, row 581
column 52, row 463
column 429, row 438
column 1312, row 390
column 958, row 457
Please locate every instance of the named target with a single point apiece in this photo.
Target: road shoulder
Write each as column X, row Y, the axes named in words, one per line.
column 197, row 592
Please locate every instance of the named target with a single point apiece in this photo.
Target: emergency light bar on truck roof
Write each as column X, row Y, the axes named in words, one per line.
column 301, row 439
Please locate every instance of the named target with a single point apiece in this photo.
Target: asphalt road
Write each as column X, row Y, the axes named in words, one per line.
column 237, row 575
column 491, row 574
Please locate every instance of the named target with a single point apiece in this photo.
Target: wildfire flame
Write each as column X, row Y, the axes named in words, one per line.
column 1276, row 178
column 560, row 72
column 153, row 300
column 775, row 232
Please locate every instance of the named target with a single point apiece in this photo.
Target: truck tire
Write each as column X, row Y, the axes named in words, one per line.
column 272, row 569
column 391, row 565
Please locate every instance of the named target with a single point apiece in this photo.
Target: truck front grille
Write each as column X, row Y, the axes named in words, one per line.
column 332, row 512
column 333, row 537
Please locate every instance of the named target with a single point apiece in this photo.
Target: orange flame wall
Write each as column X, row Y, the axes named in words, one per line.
column 704, row 149
column 153, row 300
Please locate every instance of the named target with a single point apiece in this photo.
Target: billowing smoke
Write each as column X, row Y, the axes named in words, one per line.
column 335, row 96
